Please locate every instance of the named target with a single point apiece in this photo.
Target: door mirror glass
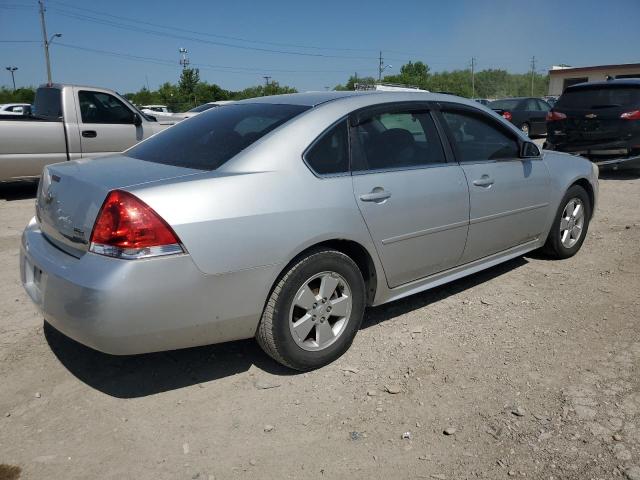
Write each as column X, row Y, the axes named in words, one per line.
column 529, row 150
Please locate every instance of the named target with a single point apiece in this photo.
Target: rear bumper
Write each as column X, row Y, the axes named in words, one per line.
column 603, row 154
column 127, row 307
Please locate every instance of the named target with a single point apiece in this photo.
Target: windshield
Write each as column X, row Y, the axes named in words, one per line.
column 209, row 140
column 599, row 97
column 503, row 104
column 202, row 108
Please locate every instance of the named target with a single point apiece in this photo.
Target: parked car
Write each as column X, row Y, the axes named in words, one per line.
column 203, row 108
column 69, row 122
column 550, row 99
column 600, row 120
column 283, row 217
column 527, row 113
column 482, row 101
column 13, row 108
column 154, row 109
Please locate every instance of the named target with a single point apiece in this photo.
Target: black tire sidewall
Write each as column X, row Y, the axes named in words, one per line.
column 554, row 241
column 323, row 261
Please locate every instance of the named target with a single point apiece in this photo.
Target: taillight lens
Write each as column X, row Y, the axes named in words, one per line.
column 128, row 228
column 555, row 116
column 634, row 115
column 507, row 115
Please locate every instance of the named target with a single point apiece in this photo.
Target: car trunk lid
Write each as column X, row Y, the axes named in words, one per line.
column 70, row 194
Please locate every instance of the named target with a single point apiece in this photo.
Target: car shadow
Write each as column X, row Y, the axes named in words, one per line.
column 22, row 190
column 137, row 376
column 620, row 174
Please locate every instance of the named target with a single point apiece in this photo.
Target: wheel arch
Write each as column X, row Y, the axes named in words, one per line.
column 586, row 184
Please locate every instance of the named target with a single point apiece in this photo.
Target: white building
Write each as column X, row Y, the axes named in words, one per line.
column 562, row 76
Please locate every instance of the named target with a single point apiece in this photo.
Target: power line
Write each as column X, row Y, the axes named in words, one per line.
column 213, row 35
column 194, row 39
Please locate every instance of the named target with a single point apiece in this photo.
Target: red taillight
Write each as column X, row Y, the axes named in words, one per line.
column 126, row 227
column 555, row 116
column 507, row 115
column 634, row 115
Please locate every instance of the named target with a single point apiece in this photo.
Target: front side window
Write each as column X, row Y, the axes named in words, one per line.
column 98, row 107
column 477, row 139
column 330, row 153
column 532, row 105
column 212, row 138
column 543, row 106
column 507, row 104
column 397, row 140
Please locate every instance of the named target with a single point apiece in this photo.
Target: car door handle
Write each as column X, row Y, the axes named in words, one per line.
column 377, row 195
column 484, row 181
column 89, row 133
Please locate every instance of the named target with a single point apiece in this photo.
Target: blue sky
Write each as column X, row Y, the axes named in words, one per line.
column 228, row 40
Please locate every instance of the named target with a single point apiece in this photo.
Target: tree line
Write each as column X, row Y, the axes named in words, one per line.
column 190, row 91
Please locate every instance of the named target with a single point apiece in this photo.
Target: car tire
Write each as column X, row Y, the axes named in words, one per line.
column 570, row 224
column 526, row 129
column 304, row 327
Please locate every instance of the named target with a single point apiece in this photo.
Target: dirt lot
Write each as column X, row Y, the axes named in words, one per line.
column 532, row 367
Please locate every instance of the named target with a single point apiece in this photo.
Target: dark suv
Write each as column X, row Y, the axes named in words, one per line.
column 599, row 120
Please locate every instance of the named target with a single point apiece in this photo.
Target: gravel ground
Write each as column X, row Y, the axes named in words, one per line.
column 528, row 369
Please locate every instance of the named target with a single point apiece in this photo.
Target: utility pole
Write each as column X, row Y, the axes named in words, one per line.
column 46, row 42
column 473, row 77
column 533, row 72
column 380, row 67
column 266, row 83
column 13, row 78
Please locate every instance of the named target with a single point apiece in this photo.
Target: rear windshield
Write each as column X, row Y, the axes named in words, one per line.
column 48, row 103
column 210, row 139
column 503, row 104
column 599, row 97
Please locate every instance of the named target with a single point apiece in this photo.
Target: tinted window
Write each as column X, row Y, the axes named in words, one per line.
column 202, row 108
column 208, row 140
column 531, row 105
column 504, row 104
column 599, row 97
column 48, row 103
column 330, row 154
column 98, row 107
column 543, row 106
column 477, row 138
column 397, row 140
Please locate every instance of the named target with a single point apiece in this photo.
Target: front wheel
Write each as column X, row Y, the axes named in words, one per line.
column 314, row 311
column 570, row 224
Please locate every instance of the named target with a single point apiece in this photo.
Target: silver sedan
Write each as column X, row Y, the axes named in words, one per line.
column 282, row 218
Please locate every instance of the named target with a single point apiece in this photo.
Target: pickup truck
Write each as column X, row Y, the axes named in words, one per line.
column 68, row 122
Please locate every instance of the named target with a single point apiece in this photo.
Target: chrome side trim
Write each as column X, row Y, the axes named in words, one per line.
column 506, row 214
column 421, row 233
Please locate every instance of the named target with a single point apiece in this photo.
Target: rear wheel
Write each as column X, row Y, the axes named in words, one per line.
column 314, row 311
column 525, row 128
column 570, row 225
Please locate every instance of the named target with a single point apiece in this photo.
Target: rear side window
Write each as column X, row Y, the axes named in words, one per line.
column 477, row 139
column 504, row 104
column 330, row 153
column 397, row 140
column 48, row 103
column 210, row 139
column 599, row 97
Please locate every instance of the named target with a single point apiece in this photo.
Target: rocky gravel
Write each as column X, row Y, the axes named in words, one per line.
column 528, row 370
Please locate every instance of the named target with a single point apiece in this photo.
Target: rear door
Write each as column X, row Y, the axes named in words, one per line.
column 544, row 108
column 106, row 124
column 415, row 203
column 534, row 116
column 508, row 195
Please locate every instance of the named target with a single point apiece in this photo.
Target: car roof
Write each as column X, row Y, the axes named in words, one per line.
column 634, row 82
column 313, row 99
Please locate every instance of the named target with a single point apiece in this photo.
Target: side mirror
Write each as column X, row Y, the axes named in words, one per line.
column 137, row 120
column 529, row 150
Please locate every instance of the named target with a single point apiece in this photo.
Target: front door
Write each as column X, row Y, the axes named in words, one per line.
column 508, row 195
column 415, row 204
column 106, row 125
